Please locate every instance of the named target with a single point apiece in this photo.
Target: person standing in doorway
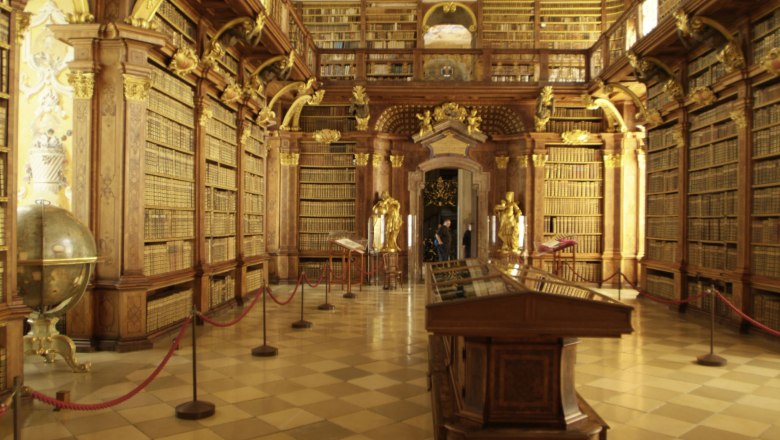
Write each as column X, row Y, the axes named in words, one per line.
column 443, row 240
column 467, row 242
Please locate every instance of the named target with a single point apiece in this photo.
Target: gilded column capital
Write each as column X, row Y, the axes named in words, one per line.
column 397, row 160
column 289, row 158
column 361, row 159
column 136, row 87
column 739, row 118
column 612, row 160
column 205, row 114
column 377, row 160
column 522, row 161
column 502, row 162
column 83, row 84
column 539, row 159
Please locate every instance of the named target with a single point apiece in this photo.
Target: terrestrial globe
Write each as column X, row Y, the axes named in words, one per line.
column 56, row 255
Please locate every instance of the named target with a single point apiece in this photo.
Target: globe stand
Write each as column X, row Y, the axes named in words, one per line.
column 44, row 340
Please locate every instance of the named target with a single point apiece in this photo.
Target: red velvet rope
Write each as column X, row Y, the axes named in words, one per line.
column 581, row 278
column 322, row 277
column 288, row 300
column 95, row 406
column 746, row 317
column 235, row 321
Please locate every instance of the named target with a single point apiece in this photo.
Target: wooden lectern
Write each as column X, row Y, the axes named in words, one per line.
column 503, row 349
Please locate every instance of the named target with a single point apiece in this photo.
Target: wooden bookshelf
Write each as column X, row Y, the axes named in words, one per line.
column 663, row 193
column 712, row 188
column 567, row 117
column 222, row 288
column 566, row 68
column 332, row 117
column 391, row 24
column 169, row 189
column 327, row 198
column 574, row 204
column 568, row 24
column 514, row 68
column 765, row 185
column 508, row 24
column 338, row 66
column 390, row 67
column 172, row 21
column 168, row 306
column 333, row 25
column 705, row 70
column 596, row 62
column 661, row 283
column 765, row 35
column 613, row 9
column 657, row 98
column 617, row 42
column 221, row 148
column 253, row 209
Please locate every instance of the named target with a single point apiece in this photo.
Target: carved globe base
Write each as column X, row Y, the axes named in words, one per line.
column 44, row 340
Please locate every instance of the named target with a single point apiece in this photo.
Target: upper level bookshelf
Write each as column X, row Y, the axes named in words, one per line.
column 177, row 25
column 508, row 24
column 514, row 68
column 333, row 25
column 568, row 24
column 390, row 66
column 337, row 66
column 333, row 117
column 391, row 24
column 169, row 190
column 766, row 35
column 327, row 193
column 705, row 70
column 663, row 192
column 566, row 67
column 569, row 117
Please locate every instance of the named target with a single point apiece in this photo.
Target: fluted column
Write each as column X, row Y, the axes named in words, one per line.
column 289, row 157
column 629, row 201
column 381, row 165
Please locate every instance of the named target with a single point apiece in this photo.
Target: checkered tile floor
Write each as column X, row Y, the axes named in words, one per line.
column 360, row 373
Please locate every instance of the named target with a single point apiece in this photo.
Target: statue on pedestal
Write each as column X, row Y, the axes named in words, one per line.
column 390, row 209
column 509, row 223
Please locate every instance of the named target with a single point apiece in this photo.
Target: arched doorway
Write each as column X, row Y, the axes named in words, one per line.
column 473, row 187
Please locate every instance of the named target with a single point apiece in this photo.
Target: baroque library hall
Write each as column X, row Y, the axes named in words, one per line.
column 390, row 219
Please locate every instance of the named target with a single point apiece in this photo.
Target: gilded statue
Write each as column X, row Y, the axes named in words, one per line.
column 509, row 223
column 545, row 106
column 474, row 120
column 425, row 122
column 358, row 107
column 390, row 209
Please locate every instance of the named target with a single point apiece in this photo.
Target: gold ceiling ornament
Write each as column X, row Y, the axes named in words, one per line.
column 327, row 136
column 612, row 160
column 693, row 28
column 292, row 118
column 545, row 106
column 502, row 162
column 22, row 24
column 450, row 7
column 246, row 130
column 241, row 28
column 440, row 192
column 205, row 114
column 771, row 62
column 377, row 160
column 359, row 107
column 539, row 159
column 739, row 118
column 575, row 137
column 83, row 84
column 647, row 68
column 183, row 62
column 211, row 59
column 650, row 117
column 614, row 118
column 702, row 95
column 361, row 159
column 265, row 115
column 674, row 88
column 643, row 115
column 289, row 159
column 450, row 111
column 136, row 87
column 397, row 161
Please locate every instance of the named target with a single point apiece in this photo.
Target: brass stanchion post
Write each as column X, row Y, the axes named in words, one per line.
column 326, row 305
column 264, row 350
column 302, row 323
column 349, row 294
column 17, row 407
column 196, row 409
column 711, row 359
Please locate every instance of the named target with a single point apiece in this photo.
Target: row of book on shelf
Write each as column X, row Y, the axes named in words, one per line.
column 567, row 188
column 167, row 223
column 665, row 228
column 161, row 160
column 168, row 309
column 574, row 171
column 669, row 158
column 587, row 244
column 767, row 141
column 219, row 223
column 314, row 175
column 662, row 204
column 766, row 172
column 713, row 154
column 162, row 104
column 661, row 250
column 664, row 181
column 766, row 201
column 253, row 224
column 319, row 224
column 560, row 126
column 712, row 255
column 220, row 249
column 336, row 160
column 766, row 309
column 167, row 257
column 220, row 151
column 325, row 192
column 572, row 225
column 164, row 131
column 766, row 260
column 713, row 204
column 713, row 229
column 170, row 193
column 222, row 288
column 713, row 133
column 253, row 203
column 553, row 206
column 765, row 231
column 220, row 199
column 327, row 209
column 253, row 245
column 572, row 154
column 253, row 183
column 717, row 178
column 218, row 175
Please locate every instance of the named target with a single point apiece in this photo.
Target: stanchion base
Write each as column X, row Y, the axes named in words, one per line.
column 326, row 306
column 349, row 295
column 711, row 360
column 265, row 351
column 195, row 410
column 302, row 324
